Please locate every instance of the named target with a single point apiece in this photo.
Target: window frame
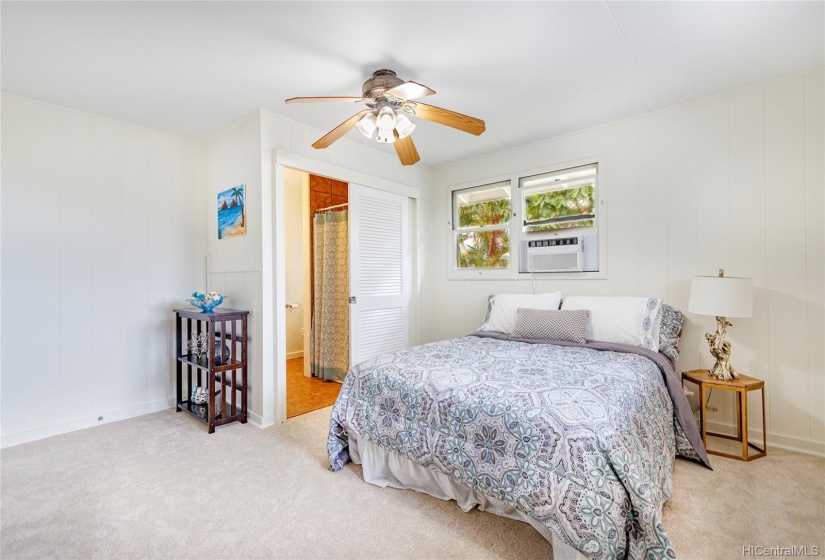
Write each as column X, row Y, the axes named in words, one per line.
column 516, row 230
column 455, row 230
column 570, row 183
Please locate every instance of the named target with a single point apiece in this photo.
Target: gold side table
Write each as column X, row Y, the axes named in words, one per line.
column 741, row 385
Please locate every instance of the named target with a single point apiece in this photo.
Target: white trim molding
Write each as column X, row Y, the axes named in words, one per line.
column 259, row 421
column 316, row 167
column 807, row 446
column 34, row 434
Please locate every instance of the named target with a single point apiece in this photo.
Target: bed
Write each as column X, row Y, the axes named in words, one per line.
column 578, row 440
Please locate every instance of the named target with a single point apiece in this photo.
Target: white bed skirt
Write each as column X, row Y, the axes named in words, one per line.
column 384, row 468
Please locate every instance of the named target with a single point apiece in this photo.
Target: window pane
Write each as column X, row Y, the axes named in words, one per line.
column 482, row 206
column 483, row 249
column 559, row 177
column 567, row 208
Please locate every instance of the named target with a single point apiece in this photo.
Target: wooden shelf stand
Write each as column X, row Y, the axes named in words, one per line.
column 230, row 326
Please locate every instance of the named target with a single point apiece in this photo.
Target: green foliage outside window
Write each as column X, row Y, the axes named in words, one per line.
column 489, row 248
column 560, row 204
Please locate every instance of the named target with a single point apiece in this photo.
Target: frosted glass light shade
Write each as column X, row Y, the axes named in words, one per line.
column 404, row 126
column 721, row 296
column 386, row 119
column 368, row 124
column 385, row 136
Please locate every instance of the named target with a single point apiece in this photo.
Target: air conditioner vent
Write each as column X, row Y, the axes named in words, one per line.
column 555, row 262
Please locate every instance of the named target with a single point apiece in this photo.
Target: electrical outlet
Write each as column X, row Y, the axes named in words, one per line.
column 302, row 331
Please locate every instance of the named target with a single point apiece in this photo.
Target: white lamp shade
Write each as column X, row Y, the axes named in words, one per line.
column 386, row 119
column 404, row 126
column 721, row 296
column 368, row 124
column 385, row 136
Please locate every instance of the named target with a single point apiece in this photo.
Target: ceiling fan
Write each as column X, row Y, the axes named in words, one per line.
column 390, row 99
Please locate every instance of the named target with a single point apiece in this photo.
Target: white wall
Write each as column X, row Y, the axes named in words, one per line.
column 102, row 235
column 733, row 182
column 233, row 158
column 294, row 226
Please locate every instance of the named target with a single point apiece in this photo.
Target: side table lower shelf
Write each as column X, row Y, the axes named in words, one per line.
column 201, row 412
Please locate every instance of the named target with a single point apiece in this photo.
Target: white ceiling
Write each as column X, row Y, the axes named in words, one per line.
column 532, row 70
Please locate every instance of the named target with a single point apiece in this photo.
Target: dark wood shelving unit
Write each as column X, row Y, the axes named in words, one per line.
column 230, row 326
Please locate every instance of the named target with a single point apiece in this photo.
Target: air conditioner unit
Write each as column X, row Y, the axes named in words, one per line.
column 577, row 253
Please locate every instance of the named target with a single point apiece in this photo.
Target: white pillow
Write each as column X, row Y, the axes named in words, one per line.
column 503, row 314
column 623, row 320
column 657, row 325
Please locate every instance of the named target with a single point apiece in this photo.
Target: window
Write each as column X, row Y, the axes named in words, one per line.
column 492, row 226
column 481, row 231
column 560, row 200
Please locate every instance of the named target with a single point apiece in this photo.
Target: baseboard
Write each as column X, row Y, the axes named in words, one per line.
column 42, row 432
column 774, row 440
column 259, row 421
column 293, row 355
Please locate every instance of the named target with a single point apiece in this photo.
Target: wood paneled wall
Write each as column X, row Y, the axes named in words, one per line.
column 733, row 182
column 103, row 234
column 233, row 158
column 324, row 192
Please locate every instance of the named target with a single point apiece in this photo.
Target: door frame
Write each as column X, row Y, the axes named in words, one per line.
column 274, row 264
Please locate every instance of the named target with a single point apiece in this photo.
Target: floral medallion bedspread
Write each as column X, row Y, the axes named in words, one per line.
column 581, row 440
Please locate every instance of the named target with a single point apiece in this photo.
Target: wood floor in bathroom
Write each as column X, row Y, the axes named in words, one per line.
column 305, row 394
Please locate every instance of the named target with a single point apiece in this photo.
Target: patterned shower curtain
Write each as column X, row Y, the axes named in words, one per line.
column 329, row 337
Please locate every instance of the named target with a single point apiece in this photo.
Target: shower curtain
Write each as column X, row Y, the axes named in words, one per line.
column 329, row 337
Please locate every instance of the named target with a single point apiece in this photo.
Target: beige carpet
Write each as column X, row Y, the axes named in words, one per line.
column 159, row 487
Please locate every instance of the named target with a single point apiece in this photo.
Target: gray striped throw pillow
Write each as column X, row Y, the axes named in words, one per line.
column 541, row 324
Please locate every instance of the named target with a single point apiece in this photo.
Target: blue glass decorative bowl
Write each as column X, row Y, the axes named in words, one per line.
column 206, row 302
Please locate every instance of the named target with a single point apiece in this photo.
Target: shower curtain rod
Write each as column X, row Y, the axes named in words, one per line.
column 331, row 207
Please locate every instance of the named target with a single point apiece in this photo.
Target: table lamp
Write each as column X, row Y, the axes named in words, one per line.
column 721, row 296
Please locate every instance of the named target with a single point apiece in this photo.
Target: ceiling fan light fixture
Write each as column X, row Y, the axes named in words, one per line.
column 386, row 119
column 404, row 126
column 367, row 124
column 387, row 98
column 385, row 136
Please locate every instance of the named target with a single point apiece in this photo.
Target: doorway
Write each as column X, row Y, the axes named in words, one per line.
column 371, row 218
column 316, row 291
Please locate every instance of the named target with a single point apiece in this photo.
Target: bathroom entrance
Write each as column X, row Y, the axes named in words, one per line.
column 317, row 290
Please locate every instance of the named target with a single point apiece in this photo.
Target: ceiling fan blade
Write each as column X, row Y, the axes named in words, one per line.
column 452, row 119
column 325, row 100
column 405, row 148
column 409, row 90
column 339, row 130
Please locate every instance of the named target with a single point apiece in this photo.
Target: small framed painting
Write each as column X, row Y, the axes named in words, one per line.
column 231, row 212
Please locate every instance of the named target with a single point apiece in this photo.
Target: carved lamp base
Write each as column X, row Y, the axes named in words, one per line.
column 720, row 349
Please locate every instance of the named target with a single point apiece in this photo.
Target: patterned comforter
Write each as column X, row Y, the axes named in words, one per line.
column 581, row 440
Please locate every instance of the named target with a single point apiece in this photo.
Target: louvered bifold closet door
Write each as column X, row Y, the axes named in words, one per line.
column 380, row 269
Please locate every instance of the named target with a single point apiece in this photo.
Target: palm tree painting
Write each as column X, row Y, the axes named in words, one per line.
column 231, row 212
column 237, row 197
